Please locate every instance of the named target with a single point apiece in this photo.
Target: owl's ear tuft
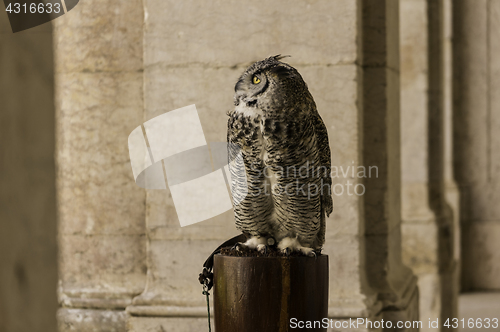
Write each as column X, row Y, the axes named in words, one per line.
column 279, row 57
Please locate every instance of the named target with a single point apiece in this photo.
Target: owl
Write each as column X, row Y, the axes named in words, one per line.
column 281, row 184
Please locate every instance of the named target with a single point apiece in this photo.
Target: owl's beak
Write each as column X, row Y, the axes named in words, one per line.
column 238, row 86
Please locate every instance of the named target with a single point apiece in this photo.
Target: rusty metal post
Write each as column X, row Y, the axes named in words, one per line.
column 264, row 293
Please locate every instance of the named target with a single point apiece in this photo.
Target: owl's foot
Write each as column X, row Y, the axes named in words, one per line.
column 238, row 247
column 307, row 252
column 256, row 242
column 253, row 243
column 262, row 248
column 312, row 254
column 286, row 251
column 289, row 244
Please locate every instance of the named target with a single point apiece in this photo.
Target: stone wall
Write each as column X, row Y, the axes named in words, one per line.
column 477, row 156
column 99, row 101
column 28, row 247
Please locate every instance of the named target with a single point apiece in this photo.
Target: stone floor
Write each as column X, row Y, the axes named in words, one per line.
column 479, row 305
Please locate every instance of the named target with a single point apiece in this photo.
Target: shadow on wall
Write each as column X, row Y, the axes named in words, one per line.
column 476, row 137
column 28, row 225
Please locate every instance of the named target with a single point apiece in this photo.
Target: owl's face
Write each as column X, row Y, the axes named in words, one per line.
column 270, row 83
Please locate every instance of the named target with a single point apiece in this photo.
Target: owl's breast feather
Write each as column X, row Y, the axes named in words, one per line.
column 246, row 111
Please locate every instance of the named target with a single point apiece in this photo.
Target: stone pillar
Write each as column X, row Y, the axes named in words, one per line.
column 395, row 283
column 427, row 219
column 420, row 227
column 99, row 101
column 477, row 157
column 451, row 270
column 28, row 217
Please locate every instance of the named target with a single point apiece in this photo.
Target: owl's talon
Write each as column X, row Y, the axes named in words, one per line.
column 262, row 249
column 308, row 252
column 286, row 252
column 238, row 247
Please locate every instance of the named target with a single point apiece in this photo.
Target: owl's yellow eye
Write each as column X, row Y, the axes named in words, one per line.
column 256, row 80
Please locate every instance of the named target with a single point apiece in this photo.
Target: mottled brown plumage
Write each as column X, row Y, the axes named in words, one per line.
column 286, row 159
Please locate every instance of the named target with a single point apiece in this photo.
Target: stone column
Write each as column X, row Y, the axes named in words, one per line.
column 451, row 271
column 427, row 219
column 395, row 283
column 420, row 227
column 477, row 158
column 98, row 50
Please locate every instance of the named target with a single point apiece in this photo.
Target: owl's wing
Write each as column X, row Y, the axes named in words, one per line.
column 325, row 160
column 252, row 208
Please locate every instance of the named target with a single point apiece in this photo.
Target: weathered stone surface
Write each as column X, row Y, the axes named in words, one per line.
column 471, row 90
column 452, row 193
column 420, row 229
column 421, row 247
column 396, row 285
column 174, row 324
column 415, row 201
column 430, row 289
column 97, row 112
column 409, row 315
column 100, row 36
column 451, row 233
column 91, row 320
column 99, row 101
column 479, row 305
column 414, row 93
column 203, row 32
column 102, row 266
column 173, row 272
column 346, row 299
column 450, row 285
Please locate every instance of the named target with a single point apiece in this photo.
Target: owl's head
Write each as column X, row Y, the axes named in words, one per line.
column 270, row 83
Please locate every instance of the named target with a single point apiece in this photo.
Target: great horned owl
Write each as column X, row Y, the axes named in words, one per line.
column 286, row 156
